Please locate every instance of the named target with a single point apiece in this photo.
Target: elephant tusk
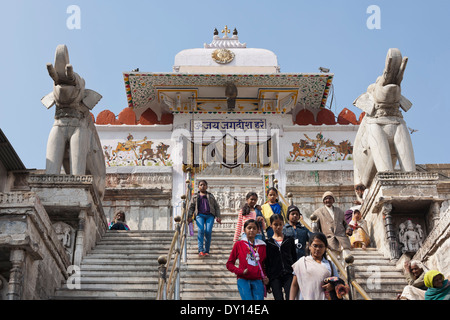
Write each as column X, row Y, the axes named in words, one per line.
column 69, row 73
column 52, row 72
column 402, row 70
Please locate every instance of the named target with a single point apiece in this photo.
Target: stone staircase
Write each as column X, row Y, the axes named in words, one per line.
column 207, row 278
column 377, row 275
column 123, row 265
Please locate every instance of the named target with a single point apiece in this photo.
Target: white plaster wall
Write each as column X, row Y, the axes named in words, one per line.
column 244, row 57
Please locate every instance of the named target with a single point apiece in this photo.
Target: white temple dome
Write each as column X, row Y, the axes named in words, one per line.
column 226, row 55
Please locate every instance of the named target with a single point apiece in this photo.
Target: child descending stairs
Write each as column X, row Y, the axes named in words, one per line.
column 207, row 278
column 123, row 265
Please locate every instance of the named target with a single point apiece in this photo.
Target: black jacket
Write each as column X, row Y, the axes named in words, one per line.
column 213, row 206
column 279, row 259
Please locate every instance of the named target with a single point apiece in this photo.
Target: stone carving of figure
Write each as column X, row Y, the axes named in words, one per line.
column 412, row 238
column 401, row 234
column 383, row 137
column 260, row 198
column 237, row 200
column 420, row 232
column 65, row 234
column 231, row 94
column 226, row 199
column 73, row 141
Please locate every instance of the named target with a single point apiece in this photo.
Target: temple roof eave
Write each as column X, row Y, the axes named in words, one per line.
column 143, row 88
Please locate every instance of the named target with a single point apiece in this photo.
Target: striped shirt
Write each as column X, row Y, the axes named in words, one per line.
column 240, row 223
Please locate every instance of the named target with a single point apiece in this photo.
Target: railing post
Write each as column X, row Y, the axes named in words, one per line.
column 162, row 260
column 350, row 276
column 290, row 198
column 177, row 252
column 186, row 226
column 314, row 225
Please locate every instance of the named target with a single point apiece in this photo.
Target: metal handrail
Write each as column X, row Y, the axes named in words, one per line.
column 168, row 288
column 338, row 264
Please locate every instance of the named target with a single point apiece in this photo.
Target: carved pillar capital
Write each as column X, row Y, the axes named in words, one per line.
column 386, row 208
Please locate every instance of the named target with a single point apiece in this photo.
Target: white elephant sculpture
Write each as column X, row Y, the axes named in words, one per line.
column 383, row 137
column 73, row 141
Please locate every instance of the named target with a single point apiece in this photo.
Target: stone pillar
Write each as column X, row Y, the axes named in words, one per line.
column 434, row 214
column 390, row 231
column 79, row 242
column 15, row 288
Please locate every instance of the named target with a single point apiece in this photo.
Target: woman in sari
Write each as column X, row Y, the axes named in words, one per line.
column 360, row 236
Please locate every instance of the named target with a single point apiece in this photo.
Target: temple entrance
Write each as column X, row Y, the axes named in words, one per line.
column 233, row 165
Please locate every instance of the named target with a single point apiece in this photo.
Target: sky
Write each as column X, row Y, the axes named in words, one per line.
column 107, row 38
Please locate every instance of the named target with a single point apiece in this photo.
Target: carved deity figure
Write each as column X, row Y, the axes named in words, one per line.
column 231, row 94
column 420, row 232
column 401, row 234
column 65, row 234
column 412, row 238
column 383, row 137
column 73, row 141
column 226, row 198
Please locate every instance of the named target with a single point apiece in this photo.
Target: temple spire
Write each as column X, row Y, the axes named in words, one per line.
column 226, row 31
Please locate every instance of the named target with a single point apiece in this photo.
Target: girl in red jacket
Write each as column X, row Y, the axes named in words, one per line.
column 251, row 252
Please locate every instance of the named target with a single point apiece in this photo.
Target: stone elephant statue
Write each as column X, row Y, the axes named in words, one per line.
column 73, row 142
column 383, row 137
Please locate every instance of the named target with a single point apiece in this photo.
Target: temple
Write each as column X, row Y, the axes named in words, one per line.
column 226, row 113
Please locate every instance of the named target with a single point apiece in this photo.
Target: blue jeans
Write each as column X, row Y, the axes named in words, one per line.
column 205, row 224
column 251, row 289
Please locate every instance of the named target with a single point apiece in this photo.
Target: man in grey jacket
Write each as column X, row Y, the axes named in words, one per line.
column 331, row 222
column 204, row 208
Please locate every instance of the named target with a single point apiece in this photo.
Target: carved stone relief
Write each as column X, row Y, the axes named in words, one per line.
column 66, row 234
column 410, row 236
column 3, row 288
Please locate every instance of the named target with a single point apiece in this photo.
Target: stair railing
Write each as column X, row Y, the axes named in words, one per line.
column 349, row 274
column 170, row 288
